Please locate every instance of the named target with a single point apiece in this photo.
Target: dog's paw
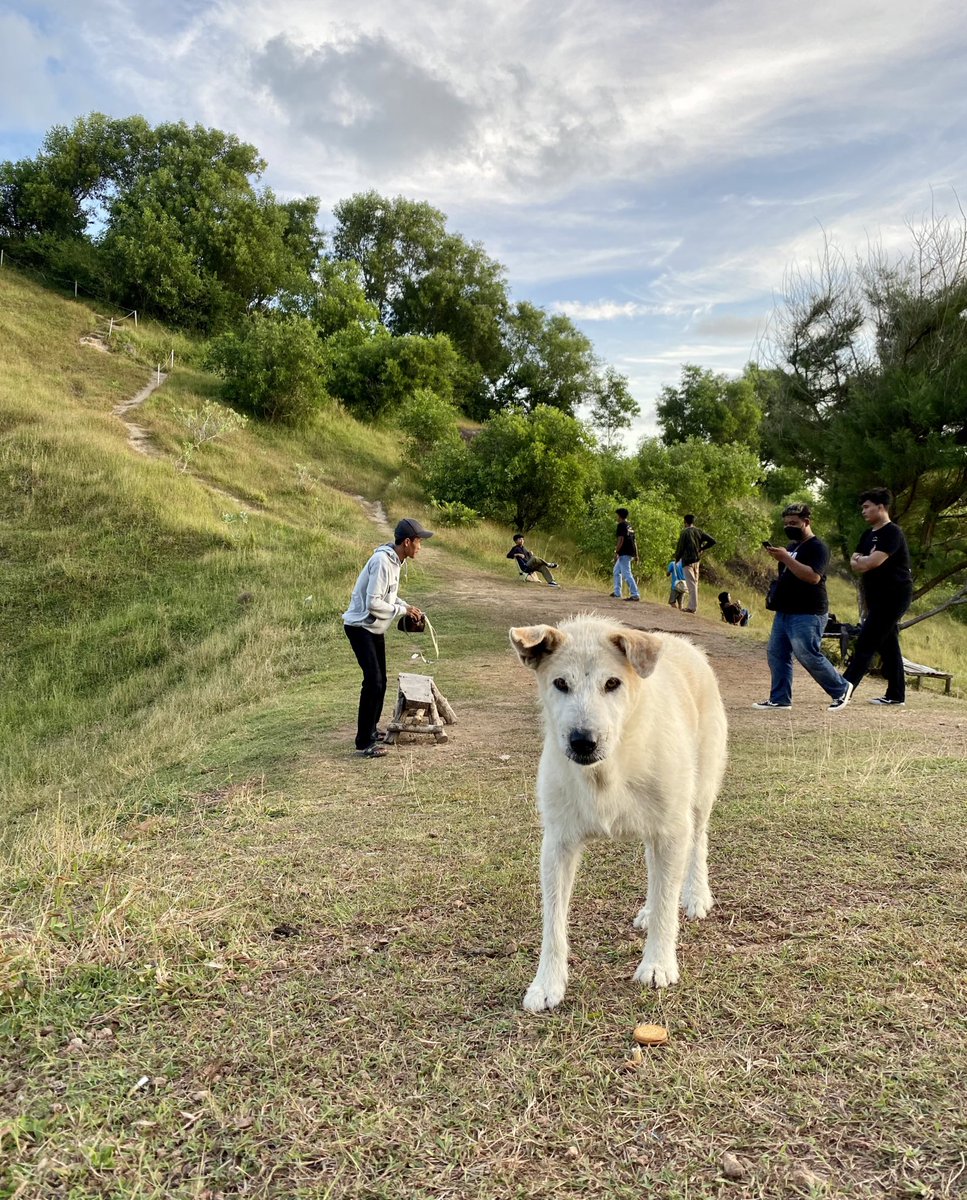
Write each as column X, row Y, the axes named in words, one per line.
column 657, row 974
column 697, row 907
column 541, row 996
column 641, row 921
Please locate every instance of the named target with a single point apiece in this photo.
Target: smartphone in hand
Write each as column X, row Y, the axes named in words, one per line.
column 768, row 546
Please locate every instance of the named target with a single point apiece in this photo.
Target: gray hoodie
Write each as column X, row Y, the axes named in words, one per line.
column 374, row 604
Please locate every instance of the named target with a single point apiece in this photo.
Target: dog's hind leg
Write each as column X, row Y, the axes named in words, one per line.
column 696, row 894
column 641, row 920
column 559, row 864
column 659, row 964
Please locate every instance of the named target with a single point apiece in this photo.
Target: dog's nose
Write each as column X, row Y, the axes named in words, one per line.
column 582, row 742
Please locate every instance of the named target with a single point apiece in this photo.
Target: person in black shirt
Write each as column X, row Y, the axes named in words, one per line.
column 692, row 542
column 529, row 563
column 882, row 559
column 801, row 610
column 625, row 553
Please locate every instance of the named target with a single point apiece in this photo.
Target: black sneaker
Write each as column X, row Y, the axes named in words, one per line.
column 553, row 566
column 843, row 700
column 633, row 599
column 770, row 704
column 885, row 701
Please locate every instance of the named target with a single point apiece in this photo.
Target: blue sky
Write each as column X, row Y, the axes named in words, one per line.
column 655, row 169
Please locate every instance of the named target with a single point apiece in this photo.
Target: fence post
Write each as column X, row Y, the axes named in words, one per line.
column 110, row 330
column 75, row 289
column 159, row 374
column 135, row 318
column 1, row 256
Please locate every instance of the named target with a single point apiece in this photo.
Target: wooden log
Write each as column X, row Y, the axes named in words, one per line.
column 443, row 705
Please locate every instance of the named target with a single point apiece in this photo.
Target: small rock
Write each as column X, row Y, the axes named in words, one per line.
column 731, row 1167
column 572, row 1152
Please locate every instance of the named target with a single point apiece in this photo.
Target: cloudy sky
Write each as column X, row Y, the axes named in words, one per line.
column 653, row 168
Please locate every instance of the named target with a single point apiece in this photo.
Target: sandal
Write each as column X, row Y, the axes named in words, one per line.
column 376, row 750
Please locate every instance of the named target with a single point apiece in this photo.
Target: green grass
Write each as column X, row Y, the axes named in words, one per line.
column 237, row 961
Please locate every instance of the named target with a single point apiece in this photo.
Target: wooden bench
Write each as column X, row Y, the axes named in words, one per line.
column 420, row 708
column 917, row 671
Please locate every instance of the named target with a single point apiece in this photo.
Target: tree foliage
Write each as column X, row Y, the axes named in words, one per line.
column 711, row 407
column 613, row 407
column 173, row 213
column 871, row 390
column 550, row 362
column 373, row 373
column 524, row 469
column 274, row 367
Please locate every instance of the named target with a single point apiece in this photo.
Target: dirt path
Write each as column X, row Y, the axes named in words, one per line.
column 139, row 439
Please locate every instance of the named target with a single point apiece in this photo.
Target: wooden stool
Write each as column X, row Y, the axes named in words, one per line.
column 420, row 708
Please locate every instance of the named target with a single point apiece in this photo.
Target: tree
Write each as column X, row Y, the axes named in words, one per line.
column 613, row 407
column 373, row 372
column 551, row 363
column 426, row 281
column 524, row 469
column 711, row 407
column 872, row 363
column 173, row 213
column 272, row 366
column 717, row 483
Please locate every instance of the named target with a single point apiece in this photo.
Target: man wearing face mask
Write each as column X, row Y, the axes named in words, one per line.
column 801, row 611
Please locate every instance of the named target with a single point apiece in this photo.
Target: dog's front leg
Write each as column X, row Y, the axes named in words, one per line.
column 559, row 863
column 659, row 964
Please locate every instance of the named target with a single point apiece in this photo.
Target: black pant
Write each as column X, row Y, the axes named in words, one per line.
column 370, row 651
column 879, row 635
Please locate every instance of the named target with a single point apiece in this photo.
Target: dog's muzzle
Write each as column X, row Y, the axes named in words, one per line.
column 582, row 747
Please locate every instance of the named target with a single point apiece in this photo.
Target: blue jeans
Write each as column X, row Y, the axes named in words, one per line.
column 800, row 634
column 622, row 571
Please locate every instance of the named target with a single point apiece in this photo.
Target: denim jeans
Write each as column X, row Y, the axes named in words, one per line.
column 622, row 571
column 800, row 635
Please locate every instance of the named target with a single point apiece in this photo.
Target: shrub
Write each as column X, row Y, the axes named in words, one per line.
column 273, row 367
column 454, row 515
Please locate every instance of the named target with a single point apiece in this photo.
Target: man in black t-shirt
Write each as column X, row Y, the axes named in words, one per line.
column 801, row 611
column 882, row 559
column 692, row 544
column 625, row 553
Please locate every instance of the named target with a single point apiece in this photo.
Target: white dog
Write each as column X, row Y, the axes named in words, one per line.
column 634, row 746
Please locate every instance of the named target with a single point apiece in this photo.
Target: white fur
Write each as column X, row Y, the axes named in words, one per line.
column 660, row 756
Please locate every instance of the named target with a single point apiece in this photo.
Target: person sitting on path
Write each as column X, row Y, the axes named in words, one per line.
column 529, row 563
column 800, row 609
column 676, row 582
column 692, row 543
column 625, row 553
column 882, row 560
column 373, row 607
column 733, row 613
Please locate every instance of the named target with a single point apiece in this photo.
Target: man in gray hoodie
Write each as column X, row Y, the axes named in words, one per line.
column 373, row 608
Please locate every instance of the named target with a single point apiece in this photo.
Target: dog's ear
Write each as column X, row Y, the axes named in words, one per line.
column 534, row 643
column 640, row 649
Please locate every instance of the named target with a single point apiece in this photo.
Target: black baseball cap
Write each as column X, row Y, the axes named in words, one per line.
column 409, row 527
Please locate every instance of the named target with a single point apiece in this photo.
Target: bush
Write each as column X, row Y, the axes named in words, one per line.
column 426, row 420
column 454, row 515
column 273, row 367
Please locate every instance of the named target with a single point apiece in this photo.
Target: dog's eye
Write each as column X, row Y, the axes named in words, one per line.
column 561, row 685
column 612, row 684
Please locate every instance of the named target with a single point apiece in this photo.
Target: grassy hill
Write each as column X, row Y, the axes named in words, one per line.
column 237, row 961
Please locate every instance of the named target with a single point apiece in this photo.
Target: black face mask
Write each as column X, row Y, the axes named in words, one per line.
column 794, row 533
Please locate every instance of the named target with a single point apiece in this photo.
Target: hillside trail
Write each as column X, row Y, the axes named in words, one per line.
column 139, row 438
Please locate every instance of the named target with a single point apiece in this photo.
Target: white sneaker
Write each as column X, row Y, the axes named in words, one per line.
column 843, row 700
